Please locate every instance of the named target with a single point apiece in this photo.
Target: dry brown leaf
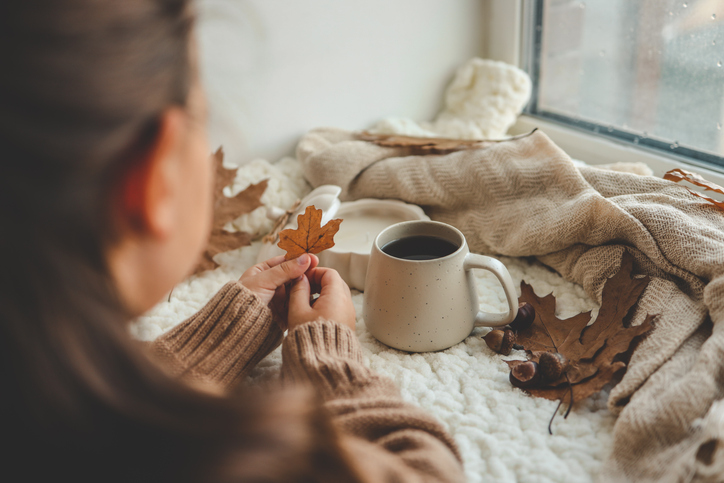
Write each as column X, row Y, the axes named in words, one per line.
column 422, row 146
column 596, row 353
column 310, row 237
column 418, row 145
column 676, row 175
column 225, row 210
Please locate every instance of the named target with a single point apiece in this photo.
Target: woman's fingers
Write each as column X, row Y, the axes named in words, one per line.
column 299, row 297
column 327, row 281
column 334, row 302
column 277, row 272
column 264, row 278
column 276, row 262
column 273, row 262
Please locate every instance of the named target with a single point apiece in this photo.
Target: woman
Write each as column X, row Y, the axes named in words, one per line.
column 105, row 204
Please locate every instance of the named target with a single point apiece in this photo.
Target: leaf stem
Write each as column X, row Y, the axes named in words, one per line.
column 570, row 388
column 550, row 423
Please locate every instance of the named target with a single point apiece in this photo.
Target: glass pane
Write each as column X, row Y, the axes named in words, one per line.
column 649, row 71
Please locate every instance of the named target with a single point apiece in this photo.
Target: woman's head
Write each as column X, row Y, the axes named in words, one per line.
column 101, row 135
column 104, row 204
column 101, row 144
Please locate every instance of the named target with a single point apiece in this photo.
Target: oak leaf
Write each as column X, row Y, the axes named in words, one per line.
column 676, row 175
column 227, row 209
column 597, row 352
column 310, row 236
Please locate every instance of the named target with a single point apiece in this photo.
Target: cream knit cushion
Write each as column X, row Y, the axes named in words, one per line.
column 525, row 197
column 482, row 102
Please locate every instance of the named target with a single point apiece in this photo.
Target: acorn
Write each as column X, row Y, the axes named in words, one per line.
column 552, row 365
column 525, row 374
column 501, row 341
column 525, row 317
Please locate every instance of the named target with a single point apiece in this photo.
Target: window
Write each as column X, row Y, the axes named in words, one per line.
column 649, row 73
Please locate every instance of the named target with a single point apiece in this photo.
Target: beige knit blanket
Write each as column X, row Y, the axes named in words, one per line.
column 526, row 198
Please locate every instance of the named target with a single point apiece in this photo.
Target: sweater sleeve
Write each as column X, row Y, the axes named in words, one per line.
column 222, row 342
column 385, row 438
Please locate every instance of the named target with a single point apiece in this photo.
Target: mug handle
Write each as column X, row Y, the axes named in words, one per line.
column 484, row 319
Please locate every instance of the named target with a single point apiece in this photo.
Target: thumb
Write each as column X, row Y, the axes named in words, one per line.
column 299, row 296
column 286, row 272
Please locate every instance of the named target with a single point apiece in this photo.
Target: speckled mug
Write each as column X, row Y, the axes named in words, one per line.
column 429, row 305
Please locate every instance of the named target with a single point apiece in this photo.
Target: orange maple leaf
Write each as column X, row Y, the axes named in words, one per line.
column 310, row 237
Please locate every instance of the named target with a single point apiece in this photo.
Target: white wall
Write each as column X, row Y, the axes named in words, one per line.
column 275, row 68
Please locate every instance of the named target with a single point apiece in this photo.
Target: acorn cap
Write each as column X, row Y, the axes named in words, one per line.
column 501, row 341
column 552, row 365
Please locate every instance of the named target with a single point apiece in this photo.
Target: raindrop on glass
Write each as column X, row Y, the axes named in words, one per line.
column 675, row 145
column 636, row 140
column 602, row 53
column 718, row 126
column 671, row 14
column 713, row 16
column 718, row 64
column 610, row 129
column 644, row 134
column 713, row 42
column 596, row 129
column 685, row 5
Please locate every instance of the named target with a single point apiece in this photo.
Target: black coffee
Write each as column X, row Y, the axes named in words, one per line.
column 419, row 248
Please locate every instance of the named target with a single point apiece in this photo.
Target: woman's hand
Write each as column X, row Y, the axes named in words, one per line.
column 268, row 278
column 334, row 302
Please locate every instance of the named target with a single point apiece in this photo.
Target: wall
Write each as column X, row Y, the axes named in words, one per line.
column 273, row 69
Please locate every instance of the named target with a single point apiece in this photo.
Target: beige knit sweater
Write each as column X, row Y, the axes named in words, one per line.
column 385, row 438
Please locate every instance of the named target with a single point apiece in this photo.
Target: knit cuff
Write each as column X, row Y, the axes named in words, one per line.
column 328, row 355
column 222, row 342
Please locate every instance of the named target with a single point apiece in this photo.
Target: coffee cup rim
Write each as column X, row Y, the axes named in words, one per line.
column 461, row 242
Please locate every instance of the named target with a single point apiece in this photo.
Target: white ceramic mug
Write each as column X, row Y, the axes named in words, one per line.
column 420, row 305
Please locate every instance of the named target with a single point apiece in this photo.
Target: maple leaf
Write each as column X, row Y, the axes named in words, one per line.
column 310, row 237
column 227, row 209
column 676, row 175
column 423, row 145
column 595, row 352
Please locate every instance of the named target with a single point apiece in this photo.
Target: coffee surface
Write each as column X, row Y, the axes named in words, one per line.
column 420, row 247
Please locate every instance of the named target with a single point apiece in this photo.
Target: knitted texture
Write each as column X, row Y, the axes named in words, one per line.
column 526, row 198
column 220, row 344
column 367, row 409
column 223, row 341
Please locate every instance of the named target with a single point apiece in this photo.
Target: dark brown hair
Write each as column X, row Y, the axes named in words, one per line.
column 82, row 86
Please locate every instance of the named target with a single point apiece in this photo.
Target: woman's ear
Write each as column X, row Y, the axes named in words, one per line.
column 149, row 187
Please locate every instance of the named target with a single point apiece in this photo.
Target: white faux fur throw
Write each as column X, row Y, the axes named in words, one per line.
column 482, row 102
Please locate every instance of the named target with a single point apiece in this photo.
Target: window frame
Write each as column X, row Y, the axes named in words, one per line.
column 506, row 27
